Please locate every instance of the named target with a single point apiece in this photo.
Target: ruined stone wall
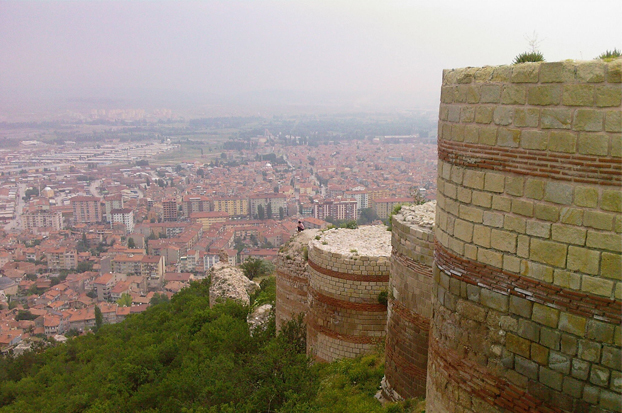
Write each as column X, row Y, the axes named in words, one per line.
column 527, row 281
column 348, row 269
column 410, row 302
column 292, row 280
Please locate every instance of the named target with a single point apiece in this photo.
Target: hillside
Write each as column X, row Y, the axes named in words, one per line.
column 183, row 356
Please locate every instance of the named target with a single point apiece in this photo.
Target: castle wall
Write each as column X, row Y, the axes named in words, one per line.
column 410, row 302
column 348, row 269
column 292, row 280
column 527, row 281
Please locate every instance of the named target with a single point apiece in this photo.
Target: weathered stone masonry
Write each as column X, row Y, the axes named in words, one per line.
column 292, row 280
column 346, row 275
column 527, row 281
column 410, row 302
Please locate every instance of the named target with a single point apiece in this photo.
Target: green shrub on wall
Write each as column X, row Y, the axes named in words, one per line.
column 610, row 55
column 528, row 57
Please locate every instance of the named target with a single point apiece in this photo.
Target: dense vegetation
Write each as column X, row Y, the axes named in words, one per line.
column 182, row 356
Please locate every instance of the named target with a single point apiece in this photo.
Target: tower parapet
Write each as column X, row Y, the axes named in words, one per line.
column 528, row 277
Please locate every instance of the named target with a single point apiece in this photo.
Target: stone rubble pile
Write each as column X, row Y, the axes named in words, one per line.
column 421, row 215
column 230, row 283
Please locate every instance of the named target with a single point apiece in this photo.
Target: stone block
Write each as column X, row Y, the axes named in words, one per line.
column 586, row 196
column 545, row 315
column 556, row 72
column 457, row 131
column 483, row 114
column 537, row 271
column 501, row 74
column 539, row 354
column 558, row 193
column 493, row 219
column 463, row 230
column 588, row 120
column 559, row 362
column 550, row 338
column 473, row 179
column 571, row 216
column 534, row 139
column 562, row 141
column 514, row 223
column 501, row 203
column 616, row 381
column 589, row 351
column 591, row 394
column 518, row 345
column 467, row 115
column 503, row 240
column 471, row 311
column 547, row 212
column 534, row 189
column 596, row 285
column 610, row 401
column 580, row 369
column 482, row 199
column 578, row 95
column 522, row 207
column 529, row 330
column 508, row 137
column 611, row 265
column 613, row 123
column 573, row 324
column 573, row 387
column 611, row 357
column 600, row 331
column 490, row 93
column 611, row 200
column 556, row 118
column 523, row 246
column 606, row 241
column 583, row 260
column 503, row 115
column 526, row 117
column 487, row 136
column 464, row 195
column 591, row 72
column 481, row 236
column 520, row 306
column 569, row 344
column 511, row 263
column 514, row 185
column 465, row 76
column 490, row 257
column 548, row 252
column 483, row 74
column 551, row 378
column 567, row 279
column 494, row 300
column 526, row 367
column 598, row 220
column 599, row 376
column 608, row 96
column 538, row 229
column 544, row 95
column 568, row 234
column 471, row 214
column 593, row 144
column 525, row 73
column 513, row 95
column 614, row 71
column 447, row 94
column 473, row 293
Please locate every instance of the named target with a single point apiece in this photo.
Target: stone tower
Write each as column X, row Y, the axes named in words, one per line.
column 527, row 279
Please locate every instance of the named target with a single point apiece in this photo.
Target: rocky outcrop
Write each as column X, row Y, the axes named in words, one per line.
column 230, row 283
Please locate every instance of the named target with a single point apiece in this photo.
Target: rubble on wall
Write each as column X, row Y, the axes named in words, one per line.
column 230, row 283
column 259, row 318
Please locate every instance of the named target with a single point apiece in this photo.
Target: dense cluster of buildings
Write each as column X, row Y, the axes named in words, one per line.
column 83, row 234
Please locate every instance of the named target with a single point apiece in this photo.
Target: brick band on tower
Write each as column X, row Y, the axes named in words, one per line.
column 527, row 278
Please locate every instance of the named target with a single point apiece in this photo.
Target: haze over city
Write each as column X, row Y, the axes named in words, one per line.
column 275, row 56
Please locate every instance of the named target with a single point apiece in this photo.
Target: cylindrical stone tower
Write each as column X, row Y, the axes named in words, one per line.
column 410, row 302
column 348, row 274
column 292, row 280
column 527, row 280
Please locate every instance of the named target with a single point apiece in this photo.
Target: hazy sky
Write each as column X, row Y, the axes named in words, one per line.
column 389, row 50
